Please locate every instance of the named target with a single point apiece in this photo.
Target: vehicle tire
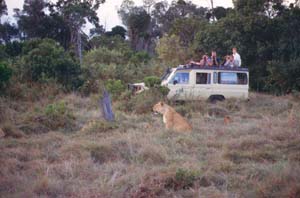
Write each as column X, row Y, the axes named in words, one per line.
column 215, row 98
column 180, row 102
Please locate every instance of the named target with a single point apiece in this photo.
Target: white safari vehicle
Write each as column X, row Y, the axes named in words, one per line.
column 214, row 83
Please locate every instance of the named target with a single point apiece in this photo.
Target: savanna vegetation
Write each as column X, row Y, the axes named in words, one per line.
column 55, row 142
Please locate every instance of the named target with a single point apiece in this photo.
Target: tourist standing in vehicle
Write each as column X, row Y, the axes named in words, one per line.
column 213, row 60
column 229, row 61
column 237, row 57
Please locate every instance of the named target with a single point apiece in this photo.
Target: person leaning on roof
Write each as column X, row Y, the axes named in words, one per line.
column 213, row 60
column 237, row 58
column 203, row 61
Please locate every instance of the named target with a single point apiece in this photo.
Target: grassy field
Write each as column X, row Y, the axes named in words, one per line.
column 61, row 147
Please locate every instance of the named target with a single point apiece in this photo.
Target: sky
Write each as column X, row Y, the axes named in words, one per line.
column 108, row 11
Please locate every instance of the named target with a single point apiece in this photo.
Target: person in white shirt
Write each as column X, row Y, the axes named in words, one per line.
column 237, row 58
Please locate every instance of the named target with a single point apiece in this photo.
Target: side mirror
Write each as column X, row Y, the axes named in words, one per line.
column 175, row 82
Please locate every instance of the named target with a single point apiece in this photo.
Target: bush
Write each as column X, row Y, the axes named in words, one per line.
column 115, row 87
column 46, row 59
column 152, row 81
column 140, row 58
column 105, row 56
column 57, row 115
column 56, row 109
column 5, row 74
column 163, row 90
column 283, row 77
column 143, row 102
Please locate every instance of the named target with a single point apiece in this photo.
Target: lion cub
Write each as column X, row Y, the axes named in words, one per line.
column 171, row 118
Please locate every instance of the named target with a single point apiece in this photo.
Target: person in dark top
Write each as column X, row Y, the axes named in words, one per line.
column 213, row 60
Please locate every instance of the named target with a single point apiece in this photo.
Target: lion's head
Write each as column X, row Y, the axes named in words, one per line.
column 160, row 107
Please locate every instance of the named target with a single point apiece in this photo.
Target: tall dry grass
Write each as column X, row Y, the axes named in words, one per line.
column 255, row 155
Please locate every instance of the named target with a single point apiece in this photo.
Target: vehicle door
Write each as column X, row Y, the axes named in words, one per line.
column 180, row 86
column 202, row 86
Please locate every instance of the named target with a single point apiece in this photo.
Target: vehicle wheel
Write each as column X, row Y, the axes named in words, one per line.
column 179, row 102
column 215, row 98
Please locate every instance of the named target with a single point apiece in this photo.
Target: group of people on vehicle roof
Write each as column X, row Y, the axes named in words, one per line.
column 233, row 60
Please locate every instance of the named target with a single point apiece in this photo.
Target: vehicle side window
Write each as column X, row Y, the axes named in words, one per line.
column 215, row 77
column 180, row 78
column 232, row 78
column 203, row 78
column 242, row 78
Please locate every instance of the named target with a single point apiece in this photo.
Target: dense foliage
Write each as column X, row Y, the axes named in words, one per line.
column 5, row 74
column 47, row 41
column 45, row 59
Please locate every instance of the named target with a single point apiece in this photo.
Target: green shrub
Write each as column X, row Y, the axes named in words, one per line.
column 46, row 59
column 163, row 90
column 140, row 58
column 88, row 87
column 152, row 81
column 56, row 109
column 5, row 74
column 115, row 87
column 283, row 77
column 58, row 115
column 105, row 56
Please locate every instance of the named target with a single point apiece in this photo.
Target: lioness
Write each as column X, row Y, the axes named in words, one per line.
column 171, row 118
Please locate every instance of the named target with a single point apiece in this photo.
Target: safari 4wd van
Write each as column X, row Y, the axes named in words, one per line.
column 213, row 83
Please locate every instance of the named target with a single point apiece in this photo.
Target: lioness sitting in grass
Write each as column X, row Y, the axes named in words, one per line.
column 171, row 118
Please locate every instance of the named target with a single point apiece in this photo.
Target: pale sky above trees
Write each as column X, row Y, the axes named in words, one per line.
column 108, row 11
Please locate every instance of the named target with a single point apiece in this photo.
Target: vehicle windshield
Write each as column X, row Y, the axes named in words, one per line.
column 166, row 74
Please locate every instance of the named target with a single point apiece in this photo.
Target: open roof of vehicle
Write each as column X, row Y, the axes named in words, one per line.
column 189, row 67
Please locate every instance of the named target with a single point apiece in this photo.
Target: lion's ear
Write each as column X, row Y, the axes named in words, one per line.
column 162, row 103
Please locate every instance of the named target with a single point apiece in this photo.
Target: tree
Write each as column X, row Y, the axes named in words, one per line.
column 147, row 4
column 117, row 30
column 77, row 13
column 7, row 32
column 34, row 22
column 186, row 29
column 3, row 8
column 249, row 7
column 137, row 21
column 5, row 74
column 220, row 12
column 171, row 52
column 110, row 42
column 32, row 18
column 97, row 31
column 164, row 15
column 269, row 8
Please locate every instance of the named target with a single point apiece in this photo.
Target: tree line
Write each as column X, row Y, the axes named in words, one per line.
column 48, row 41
